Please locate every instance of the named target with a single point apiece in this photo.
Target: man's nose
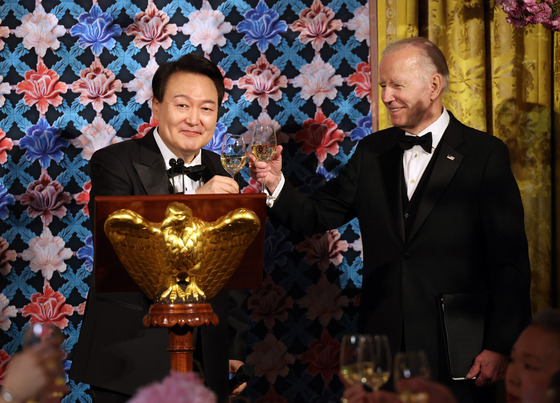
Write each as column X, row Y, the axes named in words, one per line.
column 192, row 117
column 386, row 95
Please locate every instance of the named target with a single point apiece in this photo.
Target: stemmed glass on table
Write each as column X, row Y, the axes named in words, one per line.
column 264, row 145
column 365, row 359
column 233, row 153
column 411, row 364
column 376, row 361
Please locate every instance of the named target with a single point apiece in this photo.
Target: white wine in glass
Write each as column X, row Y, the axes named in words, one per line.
column 376, row 361
column 411, row 364
column 264, row 144
column 351, row 358
column 233, row 153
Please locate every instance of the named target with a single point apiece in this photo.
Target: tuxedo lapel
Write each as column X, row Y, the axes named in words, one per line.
column 150, row 167
column 447, row 162
column 390, row 164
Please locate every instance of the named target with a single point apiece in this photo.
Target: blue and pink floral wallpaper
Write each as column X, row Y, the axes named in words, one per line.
column 75, row 76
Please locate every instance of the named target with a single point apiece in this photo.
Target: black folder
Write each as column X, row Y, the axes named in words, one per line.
column 462, row 322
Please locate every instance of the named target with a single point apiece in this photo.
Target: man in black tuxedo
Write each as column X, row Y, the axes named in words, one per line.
column 115, row 353
column 442, row 216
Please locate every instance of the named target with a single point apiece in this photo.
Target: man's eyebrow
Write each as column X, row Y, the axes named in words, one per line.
column 205, row 101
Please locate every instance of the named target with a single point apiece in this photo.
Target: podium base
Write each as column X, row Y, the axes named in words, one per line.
column 181, row 319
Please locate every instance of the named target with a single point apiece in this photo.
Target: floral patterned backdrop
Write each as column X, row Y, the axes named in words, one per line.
column 75, row 76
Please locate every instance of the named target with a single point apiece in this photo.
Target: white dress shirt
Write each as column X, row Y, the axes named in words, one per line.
column 177, row 181
column 416, row 159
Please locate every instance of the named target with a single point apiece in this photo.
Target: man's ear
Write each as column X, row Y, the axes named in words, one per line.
column 436, row 86
column 155, row 108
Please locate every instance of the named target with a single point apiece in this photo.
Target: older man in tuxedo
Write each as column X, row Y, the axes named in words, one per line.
column 115, row 353
column 440, row 214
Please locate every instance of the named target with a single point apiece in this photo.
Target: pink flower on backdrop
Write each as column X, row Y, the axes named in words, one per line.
column 322, row 357
column 228, row 84
column 5, row 89
column 270, row 303
column 177, row 387
column 46, row 198
column 320, row 136
column 358, row 247
column 271, row 397
column 263, row 81
column 316, row 25
column 360, row 24
column 48, row 308
column 144, row 128
column 207, row 27
column 6, row 256
column 6, row 145
column 142, row 83
column 97, row 85
column 323, row 249
column 81, row 309
column 82, row 198
column 152, row 29
column 271, row 358
column 94, row 136
column 324, row 302
column 47, row 253
column 362, row 80
column 318, row 80
column 252, row 188
column 42, row 87
column 4, row 33
column 40, row 31
column 4, row 360
column 265, row 119
column 7, row 311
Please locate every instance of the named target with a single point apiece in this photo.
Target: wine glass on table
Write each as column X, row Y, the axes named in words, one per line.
column 351, row 356
column 233, row 153
column 264, row 145
column 376, row 361
column 411, row 364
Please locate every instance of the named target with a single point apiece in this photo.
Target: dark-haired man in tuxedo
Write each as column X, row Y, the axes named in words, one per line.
column 440, row 213
column 115, row 353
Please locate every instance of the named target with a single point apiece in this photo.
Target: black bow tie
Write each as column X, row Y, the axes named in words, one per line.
column 194, row 172
column 407, row 142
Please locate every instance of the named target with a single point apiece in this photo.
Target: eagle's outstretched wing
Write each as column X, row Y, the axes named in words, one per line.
column 225, row 242
column 141, row 249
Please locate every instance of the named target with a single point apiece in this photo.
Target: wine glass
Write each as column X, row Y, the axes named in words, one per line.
column 233, row 153
column 351, row 356
column 264, row 144
column 376, row 361
column 411, row 364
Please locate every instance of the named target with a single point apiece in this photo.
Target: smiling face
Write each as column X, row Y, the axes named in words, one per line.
column 535, row 357
column 412, row 95
column 188, row 113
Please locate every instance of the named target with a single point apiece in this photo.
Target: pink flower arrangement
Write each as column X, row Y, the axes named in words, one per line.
column 177, row 387
column 523, row 12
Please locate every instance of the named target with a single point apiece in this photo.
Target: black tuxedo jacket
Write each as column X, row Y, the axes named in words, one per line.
column 467, row 237
column 114, row 351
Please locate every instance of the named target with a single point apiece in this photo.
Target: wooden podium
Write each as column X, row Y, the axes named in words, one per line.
column 181, row 318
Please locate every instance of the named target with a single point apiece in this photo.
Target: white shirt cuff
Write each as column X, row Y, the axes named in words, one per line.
column 270, row 199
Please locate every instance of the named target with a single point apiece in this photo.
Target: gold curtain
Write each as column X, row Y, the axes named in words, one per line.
column 501, row 81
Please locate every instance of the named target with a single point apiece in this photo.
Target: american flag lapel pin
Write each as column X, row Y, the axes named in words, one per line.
column 450, row 157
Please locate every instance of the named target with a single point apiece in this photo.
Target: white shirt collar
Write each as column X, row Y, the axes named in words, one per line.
column 437, row 128
column 167, row 154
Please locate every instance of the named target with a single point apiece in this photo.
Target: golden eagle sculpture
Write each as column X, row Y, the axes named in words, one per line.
column 183, row 259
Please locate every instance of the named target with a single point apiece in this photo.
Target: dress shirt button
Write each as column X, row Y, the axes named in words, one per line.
column 406, row 255
column 406, row 215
